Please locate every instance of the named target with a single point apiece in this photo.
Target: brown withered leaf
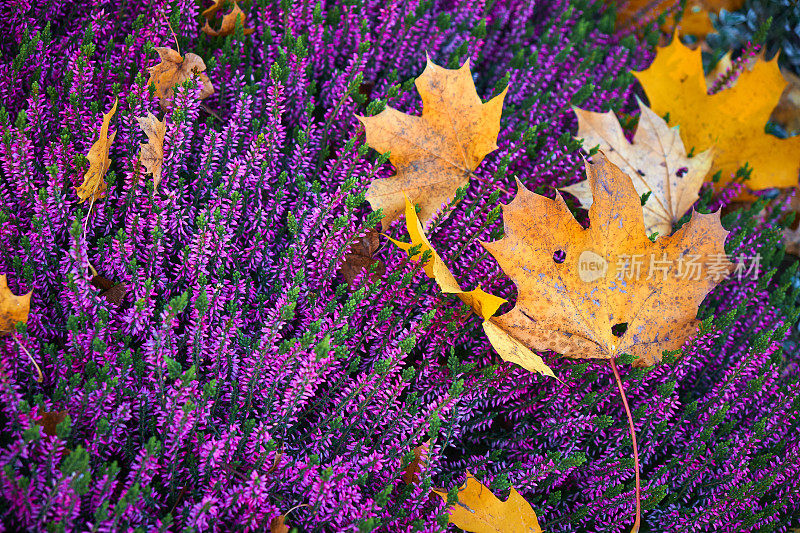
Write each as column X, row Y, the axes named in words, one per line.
column 575, row 284
column 787, row 112
column 173, row 70
column 480, row 511
column 656, row 161
column 228, row 25
column 411, row 473
column 277, row 525
column 13, row 308
column 112, row 292
column 93, row 185
column 433, row 154
column 151, row 154
column 359, row 258
column 49, row 420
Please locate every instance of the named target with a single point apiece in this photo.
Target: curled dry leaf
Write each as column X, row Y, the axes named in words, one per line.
column 483, row 304
column 13, row 308
column 656, row 161
column 433, row 154
column 93, row 186
column 732, row 120
column 575, row 284
column 173, row 70
column 228, row 25
column 359, row 258
column 480, row 511
column 49, row 420
column 151, row 154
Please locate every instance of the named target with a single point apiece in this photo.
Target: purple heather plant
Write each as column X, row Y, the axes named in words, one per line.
column 241, row 378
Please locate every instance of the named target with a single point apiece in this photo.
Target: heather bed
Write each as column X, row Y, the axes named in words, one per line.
column 241, row 377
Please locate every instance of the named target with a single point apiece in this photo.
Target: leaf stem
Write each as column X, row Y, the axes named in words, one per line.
column 638, row 522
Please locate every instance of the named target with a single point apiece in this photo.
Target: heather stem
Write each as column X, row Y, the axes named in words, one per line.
column 638, row 522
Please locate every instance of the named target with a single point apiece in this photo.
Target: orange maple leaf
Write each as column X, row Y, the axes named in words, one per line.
column 575, row 284
column 732, row 120
column 93, row 185
column 479, row 511
column 436, row 153
column 175, row 69
column 13, row 308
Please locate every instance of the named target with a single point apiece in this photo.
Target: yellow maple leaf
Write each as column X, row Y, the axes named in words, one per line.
column 483, row 304
column 576, row 285
column 93, row 185
column 480, row 511
column 732, row 120
column 656, row 161
column 433, row 154
column 151, row 154
column 175, row 69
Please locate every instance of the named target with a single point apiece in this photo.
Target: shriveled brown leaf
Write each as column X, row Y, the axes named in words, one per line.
column 94, row 186
column 277, row 525
column 411, row 473
column 13, row 308
column 112, row 292
column 433, row 154
column 173, row 70
column 571, row 306
column 49, row 420
column 480, row 511
column 656, row 161
column 359, row 258
column 228, row 25
column 151, row 154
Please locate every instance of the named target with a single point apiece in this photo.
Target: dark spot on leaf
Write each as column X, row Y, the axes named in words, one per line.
column 559, row 256
column 681, row 172
column 618, row 330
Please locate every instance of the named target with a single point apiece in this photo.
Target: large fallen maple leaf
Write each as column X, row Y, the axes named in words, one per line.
column 480, row 511
column 433, row 154
column 570, row 294
column 483, row 304
column 93, row 185
column 173, row 70
column 13, row 308
column 732, row 120
column 151, row 154
column 656, row 161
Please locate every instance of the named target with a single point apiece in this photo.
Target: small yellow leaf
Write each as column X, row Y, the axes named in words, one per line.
column 93, row 185
column 480, row 511
column 483, row 303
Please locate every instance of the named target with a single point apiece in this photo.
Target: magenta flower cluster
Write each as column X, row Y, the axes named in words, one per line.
column 240, row 378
